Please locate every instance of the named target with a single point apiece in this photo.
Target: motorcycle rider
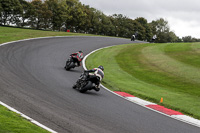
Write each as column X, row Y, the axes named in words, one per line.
column 153, row 39
column 78, row 57
column 133, row 38
column 95, row 75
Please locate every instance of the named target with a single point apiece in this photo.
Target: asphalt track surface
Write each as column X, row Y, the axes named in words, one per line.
column 33, row 81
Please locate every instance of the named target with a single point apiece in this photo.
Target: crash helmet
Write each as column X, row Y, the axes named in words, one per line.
column 101, row 67
column 80, row 51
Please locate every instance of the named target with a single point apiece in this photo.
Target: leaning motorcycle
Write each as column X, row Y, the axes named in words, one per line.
column 132, row 38
column 70, row 63
column 84, row 84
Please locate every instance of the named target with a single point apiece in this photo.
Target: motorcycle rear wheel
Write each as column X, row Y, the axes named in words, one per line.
column 88, row 86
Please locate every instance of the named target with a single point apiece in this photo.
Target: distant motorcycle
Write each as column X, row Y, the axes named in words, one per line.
column 84, row 84
column 133, row 38
column 71, row 62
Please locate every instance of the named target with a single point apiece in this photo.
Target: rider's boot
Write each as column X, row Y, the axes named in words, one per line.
column 96, row 88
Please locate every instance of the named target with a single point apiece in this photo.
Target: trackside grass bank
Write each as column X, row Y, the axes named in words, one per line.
column 154, row 71
column 11, row 122
column 8, row 34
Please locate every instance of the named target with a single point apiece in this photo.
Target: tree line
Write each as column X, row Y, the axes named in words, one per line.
column 63, row 15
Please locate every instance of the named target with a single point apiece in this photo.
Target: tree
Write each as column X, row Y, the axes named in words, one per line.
column 107, row 27
column 77, row 16
column 161, row 28
column 36, row 14
column 189, row 39
column 60, row 13
column 96, row 21
column 39, row 14
column 172, row 37
column 24, row 14
column 47, row 15
column 9, row 9
column 126, row 27
column 88, row 24
column 120, row 23
column 0, row 13
column 140, row 30
column 19, row 12
column 71, row 14
column 147, row 33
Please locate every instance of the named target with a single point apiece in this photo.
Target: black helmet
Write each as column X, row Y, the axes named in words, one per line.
column 101, row 67
column 80, row 51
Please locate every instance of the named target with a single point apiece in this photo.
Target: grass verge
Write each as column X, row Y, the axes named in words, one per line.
column 152, row 71
column 8, row 34
column 11, row 122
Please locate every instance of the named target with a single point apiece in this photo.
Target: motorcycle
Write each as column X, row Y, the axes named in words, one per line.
column 133, row 38
column 84, row 84
column 71, row 62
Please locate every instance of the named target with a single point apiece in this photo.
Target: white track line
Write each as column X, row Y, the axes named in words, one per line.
column 14, row 110
column 182, row 118
column 143, row 103
column 28, row 118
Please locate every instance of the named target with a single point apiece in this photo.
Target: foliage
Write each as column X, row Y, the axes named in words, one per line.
column 8, row 34
column 9, row 11
column 60, row 15
column 0, row 12
column 24, row 14
column 161, row 28
column 147, row 29
column 190, row 39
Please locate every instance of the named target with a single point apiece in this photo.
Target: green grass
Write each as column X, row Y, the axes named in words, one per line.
column 129, row 68
column 11, row 122
column 152, row 71
column 8, row 34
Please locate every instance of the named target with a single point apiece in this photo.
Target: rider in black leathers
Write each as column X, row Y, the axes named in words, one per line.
column 95, row 75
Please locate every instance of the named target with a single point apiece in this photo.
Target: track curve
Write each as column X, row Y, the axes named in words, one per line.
column 33, row 81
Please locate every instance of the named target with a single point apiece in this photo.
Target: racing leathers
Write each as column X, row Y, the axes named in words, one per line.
column 78, row 57
column 95, row 75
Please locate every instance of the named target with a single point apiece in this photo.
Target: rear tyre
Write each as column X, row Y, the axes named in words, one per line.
column 69, row 65
column 88, row 86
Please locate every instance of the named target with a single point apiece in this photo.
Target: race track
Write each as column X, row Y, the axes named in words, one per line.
column 33, row 81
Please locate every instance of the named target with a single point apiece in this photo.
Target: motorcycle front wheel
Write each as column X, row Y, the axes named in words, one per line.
column 69, row 65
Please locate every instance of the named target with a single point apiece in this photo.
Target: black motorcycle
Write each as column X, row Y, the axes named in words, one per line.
column 84, row 83
column 71, row 63
column 132, row 38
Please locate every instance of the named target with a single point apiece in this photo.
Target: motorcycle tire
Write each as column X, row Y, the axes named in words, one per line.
column 88, row 86
column 69, row 65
